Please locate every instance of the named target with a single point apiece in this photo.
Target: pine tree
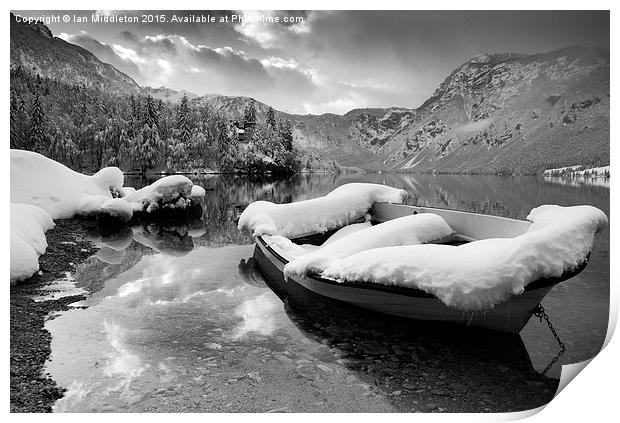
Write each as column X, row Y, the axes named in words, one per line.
column 147, row 148
column 286, row 135
column 148, row 145
column 15, row 136
column 225, row 158
column 36, row 137
column 271, row 119
column 249, row 115
column 151, row 117
column 183, row 124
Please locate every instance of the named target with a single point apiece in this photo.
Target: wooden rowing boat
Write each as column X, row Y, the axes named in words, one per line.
column 510, row 316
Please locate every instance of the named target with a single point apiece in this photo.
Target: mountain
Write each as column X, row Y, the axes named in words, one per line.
column 509, row 113
column 34, row 48
column 351, row 139
column 496, row 113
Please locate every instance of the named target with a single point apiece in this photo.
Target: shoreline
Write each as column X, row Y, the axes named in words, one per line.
column 31, row 390
column 369, row 172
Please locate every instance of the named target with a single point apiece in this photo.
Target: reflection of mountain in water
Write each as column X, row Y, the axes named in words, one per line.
column 121, row 248
column 412, row 360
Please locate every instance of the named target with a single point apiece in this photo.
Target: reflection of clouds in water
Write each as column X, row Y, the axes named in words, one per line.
column 123, row 363
column 187, row 298
column 161, row 271
column 258, row 314
column 74, row 394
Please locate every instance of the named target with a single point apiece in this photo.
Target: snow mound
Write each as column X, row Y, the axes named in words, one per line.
column 127, row 190
column 170, row 191
column 478, row 275
column 346, row 231
column 407, row 230
column 58, row 190
column 28, row 226
column 197, row 192
column 289, row 247
column 343, row 205
column 111, row 177
column 30, row 223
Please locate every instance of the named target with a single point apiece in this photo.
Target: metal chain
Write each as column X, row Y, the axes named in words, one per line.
column 539, row 312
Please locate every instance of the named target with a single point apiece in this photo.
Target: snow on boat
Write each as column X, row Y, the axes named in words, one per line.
column 422, row 263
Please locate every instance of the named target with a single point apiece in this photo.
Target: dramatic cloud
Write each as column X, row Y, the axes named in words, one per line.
column 173, row 61
column 106, row 53
column 323, row 61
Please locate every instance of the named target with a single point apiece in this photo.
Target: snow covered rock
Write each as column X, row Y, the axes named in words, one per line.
column 343, row 205
column 28, row 226
column 481, row 274
column 407, row 230
column 172, row 191
column 60, row 191
column 169, row 192
column 197, row 192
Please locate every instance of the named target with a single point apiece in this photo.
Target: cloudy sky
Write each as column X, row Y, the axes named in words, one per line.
column 326, row 61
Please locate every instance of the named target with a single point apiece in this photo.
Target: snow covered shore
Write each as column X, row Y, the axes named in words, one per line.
column 579, row 172
column 28, row 226
column 43, row 189
column 60, row 191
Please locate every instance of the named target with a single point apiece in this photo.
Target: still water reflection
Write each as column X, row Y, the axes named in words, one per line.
column 179, row 319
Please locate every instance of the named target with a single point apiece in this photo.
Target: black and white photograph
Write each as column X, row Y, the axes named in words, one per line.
column 307, row 211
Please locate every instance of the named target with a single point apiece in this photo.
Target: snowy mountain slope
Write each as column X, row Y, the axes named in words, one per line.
column 35, row 48
column 511, row 114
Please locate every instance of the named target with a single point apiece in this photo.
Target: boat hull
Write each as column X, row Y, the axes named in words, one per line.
column 510, row 316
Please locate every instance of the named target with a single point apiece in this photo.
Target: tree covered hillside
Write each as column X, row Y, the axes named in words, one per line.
column 87, row 128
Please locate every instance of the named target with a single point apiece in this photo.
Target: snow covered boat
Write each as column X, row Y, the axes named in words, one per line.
column 424, row 263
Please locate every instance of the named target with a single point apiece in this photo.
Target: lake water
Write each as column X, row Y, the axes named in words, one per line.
column 178, row 318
